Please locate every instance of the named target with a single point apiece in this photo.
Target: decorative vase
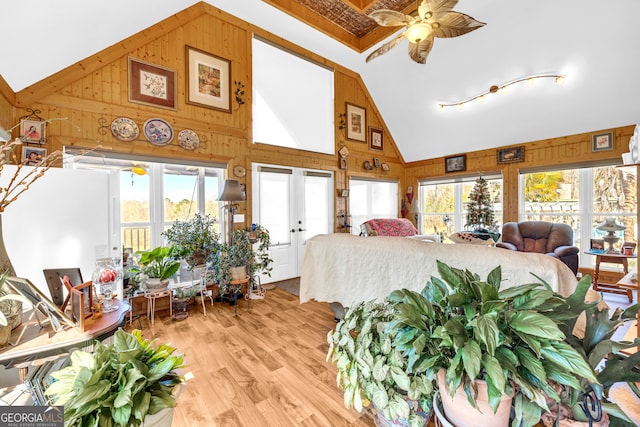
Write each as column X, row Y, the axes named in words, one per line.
column 105, row 277
column 460, row 413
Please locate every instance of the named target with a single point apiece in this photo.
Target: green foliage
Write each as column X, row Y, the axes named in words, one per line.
column 370, row 367
column 118, row 384
column 472, row 329
column 480, row 207
column 161, row 262
column 196, row 238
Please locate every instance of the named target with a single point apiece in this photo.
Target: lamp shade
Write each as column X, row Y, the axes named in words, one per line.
column 610, row 225
column 415, row 207
column 418, row 32
column 4, row 135
column 231, row 191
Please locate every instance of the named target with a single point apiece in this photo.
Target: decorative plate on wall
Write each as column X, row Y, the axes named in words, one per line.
column 188, row 139
column 158, row 131
column 125, row 129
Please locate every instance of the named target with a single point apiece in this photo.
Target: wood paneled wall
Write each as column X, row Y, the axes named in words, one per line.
column 563, row 152
column 90, row 94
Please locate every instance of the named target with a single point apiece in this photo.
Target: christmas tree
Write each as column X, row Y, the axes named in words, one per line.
column 479, row 207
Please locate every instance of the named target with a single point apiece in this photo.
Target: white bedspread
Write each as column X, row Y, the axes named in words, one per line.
column 346, row 269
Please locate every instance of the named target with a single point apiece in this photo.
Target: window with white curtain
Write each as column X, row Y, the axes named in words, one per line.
column 292, row 100
column 371, row 199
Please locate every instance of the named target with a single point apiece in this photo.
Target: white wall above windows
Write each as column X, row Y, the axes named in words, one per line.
column 292, row 100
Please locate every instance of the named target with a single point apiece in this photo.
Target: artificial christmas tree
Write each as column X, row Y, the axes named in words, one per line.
column 480, row 208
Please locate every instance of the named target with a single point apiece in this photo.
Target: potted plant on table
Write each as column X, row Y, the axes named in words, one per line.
column 473, row 336
column 159, row 265
column 196, row 238
column 181, row 300
column 371, row 369
column 127, row 383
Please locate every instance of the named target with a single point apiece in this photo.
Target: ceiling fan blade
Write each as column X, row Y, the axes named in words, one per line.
column 390, row 18
column 386, row 47
column 437, row 8
column 455, row 24
column 419, row 51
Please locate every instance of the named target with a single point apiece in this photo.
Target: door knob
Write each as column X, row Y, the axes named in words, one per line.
column 293, row 230
column 301, row 229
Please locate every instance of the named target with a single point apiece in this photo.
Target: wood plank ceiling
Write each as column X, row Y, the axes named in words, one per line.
column 344, row 20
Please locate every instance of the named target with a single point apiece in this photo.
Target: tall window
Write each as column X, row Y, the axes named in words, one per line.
column 582, row 198
column 151, row 196
column 443, row 204
column 371, row 199
column 292, row 100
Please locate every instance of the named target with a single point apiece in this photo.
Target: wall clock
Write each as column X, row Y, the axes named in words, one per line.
column 239, row 171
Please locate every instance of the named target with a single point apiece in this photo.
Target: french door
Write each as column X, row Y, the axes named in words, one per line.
column 294, row 204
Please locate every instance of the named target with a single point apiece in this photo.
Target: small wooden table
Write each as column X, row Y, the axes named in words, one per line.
column 611, row 258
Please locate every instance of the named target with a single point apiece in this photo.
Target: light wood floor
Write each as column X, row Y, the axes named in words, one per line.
column 265, row 367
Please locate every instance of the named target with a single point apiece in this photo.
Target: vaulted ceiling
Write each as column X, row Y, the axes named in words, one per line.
column 595, row 44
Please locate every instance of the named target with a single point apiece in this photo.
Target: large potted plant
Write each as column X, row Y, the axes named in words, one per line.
column 589, row 405
column 372, row 370
column 468, row 330
column 196, row 238
column 128, row 383
column 159, row 264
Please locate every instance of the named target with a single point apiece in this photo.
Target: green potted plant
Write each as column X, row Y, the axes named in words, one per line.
column 594, row 342
column 181, row 300
column 372, row 370
column 196, row 238
column 159, row 264
column 464, row 329
column 126, row 383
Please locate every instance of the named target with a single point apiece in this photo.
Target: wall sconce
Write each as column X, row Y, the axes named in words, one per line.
column 503, row 88
column 239, row 93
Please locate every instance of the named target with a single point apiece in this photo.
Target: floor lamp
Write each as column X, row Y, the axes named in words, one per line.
column 231, row 193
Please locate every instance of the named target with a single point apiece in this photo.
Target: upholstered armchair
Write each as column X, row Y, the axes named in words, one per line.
column 542, row 237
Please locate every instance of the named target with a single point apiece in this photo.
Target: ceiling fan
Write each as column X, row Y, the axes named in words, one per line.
column 435, row 19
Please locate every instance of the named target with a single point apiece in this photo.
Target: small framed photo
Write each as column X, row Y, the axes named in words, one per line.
column 597, row 245
column 376, row 139
column 33, row 131
column 602, row 141
column 343, row 163
column 455, row 163
column 32, row 156
column 151, row 84
column 511, row 155
column 208, row 80
column 356, row 123
column 344, row 193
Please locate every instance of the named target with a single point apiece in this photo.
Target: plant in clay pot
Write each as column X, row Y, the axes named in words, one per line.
column 196, row 238
column 126, row 383
column 589, row 404
column 468, row 330
column 372, row 370
column 160, row 263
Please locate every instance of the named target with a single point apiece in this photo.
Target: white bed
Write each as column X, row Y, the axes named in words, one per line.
column 342, row 268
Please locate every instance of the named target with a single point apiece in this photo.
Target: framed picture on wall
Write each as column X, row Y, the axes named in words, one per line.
column 511, row 155
column 602, row 141
column 32, row 156
column 376, row 139
column 356, row 123
column 455, row 163
column 151, row 84
column 208, row 80
column 33, row 131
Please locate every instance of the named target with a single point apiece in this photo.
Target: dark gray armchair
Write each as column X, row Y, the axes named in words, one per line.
column 542, row 237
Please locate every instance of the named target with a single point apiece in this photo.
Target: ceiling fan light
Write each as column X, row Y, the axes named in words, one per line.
column 560, row 80
column 418, row 32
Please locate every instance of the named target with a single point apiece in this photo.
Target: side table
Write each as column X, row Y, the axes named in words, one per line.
column 152, row 296
column 239, row 284
column 611, row 258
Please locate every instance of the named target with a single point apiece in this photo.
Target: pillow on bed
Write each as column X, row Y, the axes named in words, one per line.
column 471, row 238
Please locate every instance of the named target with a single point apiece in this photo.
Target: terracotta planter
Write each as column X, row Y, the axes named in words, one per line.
column 460, row 413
